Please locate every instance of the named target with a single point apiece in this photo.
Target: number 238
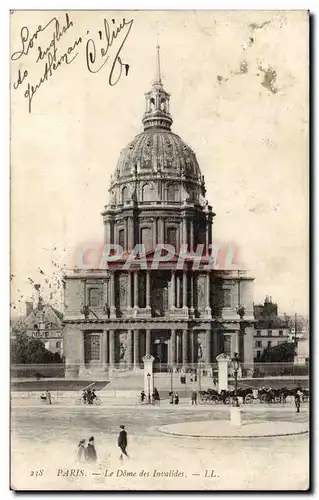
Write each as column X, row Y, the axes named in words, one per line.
column 36, row 473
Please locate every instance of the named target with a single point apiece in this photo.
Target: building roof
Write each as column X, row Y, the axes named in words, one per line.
column 48, row 314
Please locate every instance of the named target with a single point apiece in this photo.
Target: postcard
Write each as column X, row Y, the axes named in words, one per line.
column 159, row 250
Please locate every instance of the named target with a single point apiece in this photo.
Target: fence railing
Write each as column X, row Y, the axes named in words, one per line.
column 60, row 370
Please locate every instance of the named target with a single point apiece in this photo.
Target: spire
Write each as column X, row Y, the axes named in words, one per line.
column 158, row 65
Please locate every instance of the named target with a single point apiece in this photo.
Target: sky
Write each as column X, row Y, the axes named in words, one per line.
column 239, row 97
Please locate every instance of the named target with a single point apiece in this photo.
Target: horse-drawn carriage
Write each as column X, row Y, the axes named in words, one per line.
column 250, row 395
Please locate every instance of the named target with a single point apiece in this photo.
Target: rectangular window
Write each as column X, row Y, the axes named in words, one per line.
column 58, row 345
column 121, row 238
column 227, row 298
column 171, row 236
column 269, row 343
column 281, row 333
column 94, row 297
column 258, row 343
column 258, row 333
column 94, row 348
column 269, row 333
column 258, row 353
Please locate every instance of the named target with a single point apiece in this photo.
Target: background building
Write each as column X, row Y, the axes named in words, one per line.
column 270, row 330
column 43, row 322
column 115, row 316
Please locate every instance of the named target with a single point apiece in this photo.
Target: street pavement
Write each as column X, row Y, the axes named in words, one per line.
column 45, row 438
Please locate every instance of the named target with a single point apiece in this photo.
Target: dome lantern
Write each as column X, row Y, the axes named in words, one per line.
column 157, row 103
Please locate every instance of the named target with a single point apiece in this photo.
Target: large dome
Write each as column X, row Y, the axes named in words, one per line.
column 158, row 150
column 156, row 166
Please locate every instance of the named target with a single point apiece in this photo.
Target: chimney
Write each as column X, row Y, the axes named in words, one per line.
column 29, row 308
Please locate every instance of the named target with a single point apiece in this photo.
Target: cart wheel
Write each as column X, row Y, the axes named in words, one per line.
column 97, row 401
column 78, row 401
column 249, row 399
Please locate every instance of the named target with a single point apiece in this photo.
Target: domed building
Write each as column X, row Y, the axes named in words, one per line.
column 170, row 302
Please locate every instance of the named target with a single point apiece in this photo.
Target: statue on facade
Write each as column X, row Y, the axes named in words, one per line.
column 122, row 351
column 199, row 351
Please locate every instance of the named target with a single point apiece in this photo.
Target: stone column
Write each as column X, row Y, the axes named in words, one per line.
column 129, row 292
column 248, row 349
column 126, row 235
column 148, row 289
column 184, row 289
column 112, row 348
column 103, row 349
column 112, row 295
column 148, row 342
column 136, row 349
column 173, row 347
column 192, row 353
column 105, row 295
column 192, row 235
column 208, row 346
column 178, row 348
column 130, row 233
column 129, row 347
column 184, row 230
column 185, row 347
column 215, row 341
column 161, row 238
column 173, row 290
column 178, row 291
column 207, row 239
column 135, row 290
column 192, row 278
column 82, row 350
column 208, row 310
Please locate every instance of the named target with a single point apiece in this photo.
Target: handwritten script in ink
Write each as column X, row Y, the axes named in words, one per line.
column 100, row 50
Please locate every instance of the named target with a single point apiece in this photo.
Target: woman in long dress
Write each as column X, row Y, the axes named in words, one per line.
column 81, row 451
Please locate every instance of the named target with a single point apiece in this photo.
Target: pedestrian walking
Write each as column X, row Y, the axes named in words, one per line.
column 171, row 397
column 81, row 451
column 122, row 442
column 48, row 396
column 194, row 398
column 91, row 455
column 176, row 398
column 297, row 402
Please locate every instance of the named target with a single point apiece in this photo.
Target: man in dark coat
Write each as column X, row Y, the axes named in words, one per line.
column 297, row 401
column 122, row 442
column 90, row 451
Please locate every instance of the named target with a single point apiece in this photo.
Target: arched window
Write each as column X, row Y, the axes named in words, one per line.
column 125, row 195
column 148, row 192
column 152, row 103
column 163, row 104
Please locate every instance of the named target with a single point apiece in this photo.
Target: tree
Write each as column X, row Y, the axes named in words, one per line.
column 281, row 353
column 31, row 351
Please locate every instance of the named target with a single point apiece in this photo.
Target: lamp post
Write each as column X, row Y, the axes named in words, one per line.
column 235, row 362
column 149, row 387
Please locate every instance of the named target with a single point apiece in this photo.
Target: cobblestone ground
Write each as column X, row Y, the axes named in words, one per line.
column 45, row 438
